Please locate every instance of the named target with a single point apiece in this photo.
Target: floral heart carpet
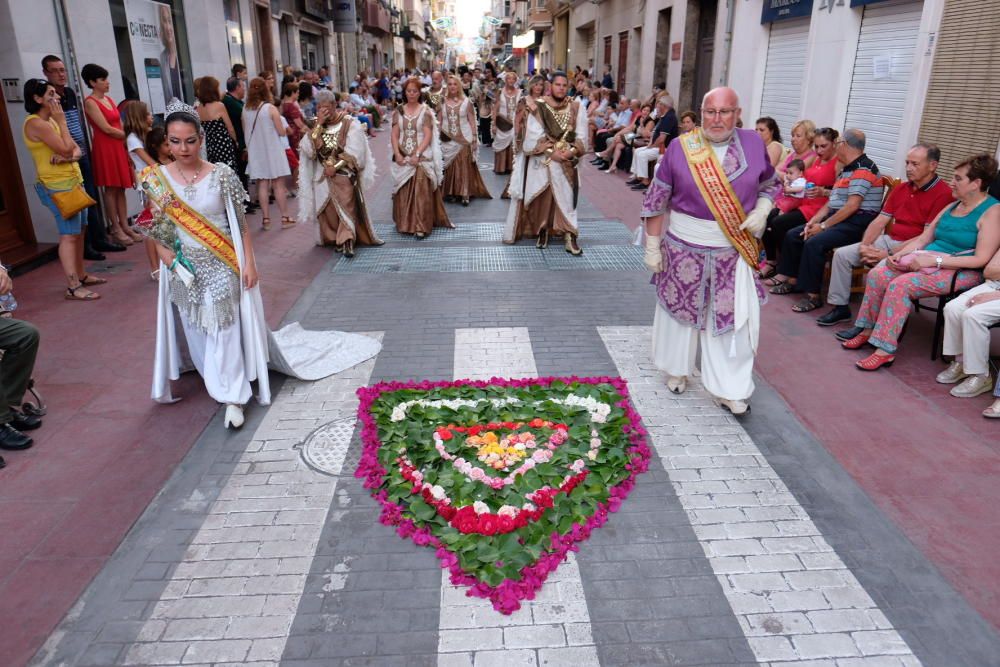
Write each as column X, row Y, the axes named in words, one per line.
column 503, row 477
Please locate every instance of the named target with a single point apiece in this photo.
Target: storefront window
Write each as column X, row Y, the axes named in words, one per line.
column 151, row 39
column 234, row 32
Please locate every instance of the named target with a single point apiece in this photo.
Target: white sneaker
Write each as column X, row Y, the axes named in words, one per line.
column 234, row 416
column 974, row 385
column 736, row 407
column 677, row 384
column 954, row 373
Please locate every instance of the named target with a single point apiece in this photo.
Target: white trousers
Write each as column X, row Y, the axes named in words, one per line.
column 219, row 359
column 966, row 330
column 641, row 157
column 726, row 360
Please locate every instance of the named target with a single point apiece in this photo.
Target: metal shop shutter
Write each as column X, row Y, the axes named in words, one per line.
column 883, row 65
column 962, row 109
column 785, row 73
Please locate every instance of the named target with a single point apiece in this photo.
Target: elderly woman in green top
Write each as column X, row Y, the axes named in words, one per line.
column 961, row 239
column 55, row 155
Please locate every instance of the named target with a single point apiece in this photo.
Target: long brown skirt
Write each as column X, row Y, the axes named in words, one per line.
column 543, row 213
column 462, row 178
column 418, row 206
column 503, row 161
column 331, row 229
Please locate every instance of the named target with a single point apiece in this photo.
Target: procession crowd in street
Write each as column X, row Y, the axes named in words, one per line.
column 729, row 213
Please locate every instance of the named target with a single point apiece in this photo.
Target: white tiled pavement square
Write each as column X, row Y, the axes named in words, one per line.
column 554, row 628
column 794, row 597
column 234, row 595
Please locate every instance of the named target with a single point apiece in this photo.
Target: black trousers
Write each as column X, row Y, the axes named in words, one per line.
column 485, row 136
column 778, row 224
column 805, row 260
column 96, row 235
column 19, row 342
column 601, row 141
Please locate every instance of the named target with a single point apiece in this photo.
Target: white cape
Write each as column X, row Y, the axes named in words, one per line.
column 293, row 351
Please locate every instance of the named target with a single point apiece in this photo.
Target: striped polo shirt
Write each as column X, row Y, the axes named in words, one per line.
column 71, row 107
column 858, row 178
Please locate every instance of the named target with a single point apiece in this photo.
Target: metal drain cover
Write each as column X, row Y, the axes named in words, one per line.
column 326, row 448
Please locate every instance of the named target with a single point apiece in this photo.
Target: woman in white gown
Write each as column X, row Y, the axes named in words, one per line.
column 209, row 278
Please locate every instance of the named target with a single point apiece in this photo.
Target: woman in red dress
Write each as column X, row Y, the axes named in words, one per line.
column 112, row 168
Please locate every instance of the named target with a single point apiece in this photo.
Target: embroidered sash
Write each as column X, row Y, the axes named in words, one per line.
column 155, row 184
column 719, row 194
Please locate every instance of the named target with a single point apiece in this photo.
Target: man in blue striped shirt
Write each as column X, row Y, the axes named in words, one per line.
column 96, row 240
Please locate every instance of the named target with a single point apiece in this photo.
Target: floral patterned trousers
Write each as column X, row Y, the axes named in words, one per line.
column 889, row 297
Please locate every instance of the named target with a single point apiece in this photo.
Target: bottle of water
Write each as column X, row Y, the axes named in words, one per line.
column 8, row 303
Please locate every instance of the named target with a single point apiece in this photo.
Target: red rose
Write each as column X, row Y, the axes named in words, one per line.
column 444, row 434
column 475, row 430
column 465, row 524
column 536, row 423
column 522, row 519
column 492, row 426
column 510, row 425
column 488, row 524
column 506, row 523
column 447, row 511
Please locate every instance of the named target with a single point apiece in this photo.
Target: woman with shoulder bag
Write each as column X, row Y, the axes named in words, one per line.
column 60, row 183
column 267, row 162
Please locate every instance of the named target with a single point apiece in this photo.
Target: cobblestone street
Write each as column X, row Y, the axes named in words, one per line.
column 763, row 541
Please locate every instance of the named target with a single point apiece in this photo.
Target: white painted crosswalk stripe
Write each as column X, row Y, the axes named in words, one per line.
column 794, row 597
column 552, row 629
column 235, row 594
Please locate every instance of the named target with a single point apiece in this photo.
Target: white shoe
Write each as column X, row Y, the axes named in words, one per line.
column 954, row 373
column 677, row 384
column 736, row 407
column 974, row 385
column 234, row 416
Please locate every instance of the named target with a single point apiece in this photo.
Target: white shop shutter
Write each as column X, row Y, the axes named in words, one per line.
column 784, row 74
column 883, row 66
column 962, row 109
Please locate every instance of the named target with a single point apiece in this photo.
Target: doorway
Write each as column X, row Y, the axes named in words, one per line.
column 662, row 56
column 622, row 60
column 265, row 43
column 17, row 238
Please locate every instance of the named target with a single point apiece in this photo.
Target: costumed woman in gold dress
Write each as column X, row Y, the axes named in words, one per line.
column 335, row 168
column 457, row 115
column 417, row 167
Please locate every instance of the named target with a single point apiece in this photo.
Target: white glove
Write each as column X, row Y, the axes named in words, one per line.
column 757, row 218
column 653, row 258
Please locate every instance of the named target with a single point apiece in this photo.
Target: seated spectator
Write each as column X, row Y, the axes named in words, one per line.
column 768, row 130
column 909, row 208
column 636, row 135
column 962, row 239
column 19, row 342
column 688, row 121
column 821, row 171
column 628, row 110
column 803, row 137
column 854, row 202
column 967, row 322
column 666, row 129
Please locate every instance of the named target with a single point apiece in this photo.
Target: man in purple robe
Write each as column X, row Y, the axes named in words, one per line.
column 704, row 261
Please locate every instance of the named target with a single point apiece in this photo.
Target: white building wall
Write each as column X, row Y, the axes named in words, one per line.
column 206, row 32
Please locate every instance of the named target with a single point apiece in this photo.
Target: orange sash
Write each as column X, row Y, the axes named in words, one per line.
column 191, row 221
column 719, row 195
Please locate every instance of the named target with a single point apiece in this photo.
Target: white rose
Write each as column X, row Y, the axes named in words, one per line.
column 481, row 507
column 438, row 492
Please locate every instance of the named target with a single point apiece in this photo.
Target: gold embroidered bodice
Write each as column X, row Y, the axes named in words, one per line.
column 452, row 117
column 329, row 146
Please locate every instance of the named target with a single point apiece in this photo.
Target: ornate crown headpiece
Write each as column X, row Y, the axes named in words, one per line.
column 176, row 106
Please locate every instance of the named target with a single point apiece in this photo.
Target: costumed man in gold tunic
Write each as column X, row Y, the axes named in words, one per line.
column 555, row 139
column 336, row 166
column 436, row 91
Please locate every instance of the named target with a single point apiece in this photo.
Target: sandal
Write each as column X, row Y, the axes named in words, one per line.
column 807, row 304
column 771, row 280
column 89, row 280
column 286, row 222
column 155, row 276
column 992, row 412
column 123, row 239
column 265, row 223
column 783, row 287
column 875, row 361
column 71, row 294
column 769, row 271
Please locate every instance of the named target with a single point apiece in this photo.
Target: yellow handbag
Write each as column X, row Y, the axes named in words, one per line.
column 72, row 201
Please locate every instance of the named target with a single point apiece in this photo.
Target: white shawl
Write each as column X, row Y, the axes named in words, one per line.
column 450, row 149
column 431, row 160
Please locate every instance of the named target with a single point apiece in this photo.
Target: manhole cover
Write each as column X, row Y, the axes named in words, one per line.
column 326, row 448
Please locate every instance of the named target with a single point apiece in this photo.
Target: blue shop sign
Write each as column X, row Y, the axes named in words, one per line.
column 779, row 10
column 861, row 3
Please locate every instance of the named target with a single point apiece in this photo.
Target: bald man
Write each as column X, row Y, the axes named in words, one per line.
column 704, row 212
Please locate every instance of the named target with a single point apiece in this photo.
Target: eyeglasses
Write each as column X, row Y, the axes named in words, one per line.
column 721, row 113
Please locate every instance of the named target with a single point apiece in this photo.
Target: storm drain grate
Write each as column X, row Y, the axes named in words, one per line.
column 500, row 258
column 591, row 231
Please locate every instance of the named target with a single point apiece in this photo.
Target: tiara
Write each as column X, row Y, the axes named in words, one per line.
column 176, row 106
